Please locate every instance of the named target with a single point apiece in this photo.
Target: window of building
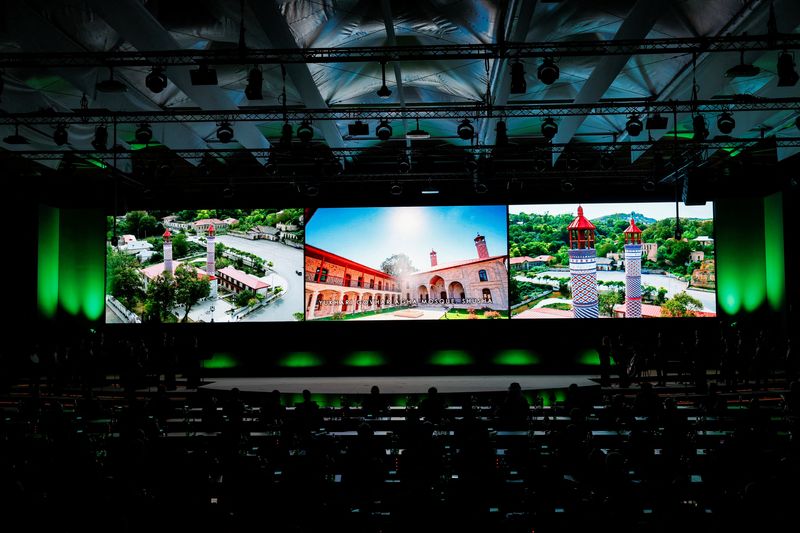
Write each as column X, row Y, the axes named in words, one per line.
column 487, row 296
column 347, row 279
column 482, row 275
column 372, row 283
column 360, row 281
column 321, row 275
column 380, row 285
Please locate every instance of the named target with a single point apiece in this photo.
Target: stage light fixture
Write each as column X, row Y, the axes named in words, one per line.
column 225, row 132
column 479, row 186
column 286, row 133
column 227, row 192
column 358, row 129
column 271, row 168
column 549, row 128
column 144, row 133
column 699, row 128
column 540, row 164
column 311, row 189
column 305, row 132
column 396, row 189
column 573, row 163
column 634, row 126
column 471, row 164
column 252, row 90
column 403, row 165
column 567, row 186
column 465, row 130
column 16, row 138
column 742, row 70
column 726, row 123
column 100, row 141
column 156, row 80
column 548, row 72
column 383, row 130
column 60, row 135
column 518, row 83
column 111, row 85
column 657, row 122
column 418, row 133
column 606, row 161
column 648, row 185
column 384, row 92
column 501, row 139
column 787, row 75
column 203, row 76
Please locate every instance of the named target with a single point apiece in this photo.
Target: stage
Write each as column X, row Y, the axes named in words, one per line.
column 400, row 385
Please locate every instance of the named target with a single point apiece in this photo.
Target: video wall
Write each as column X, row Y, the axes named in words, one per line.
column 411, row 263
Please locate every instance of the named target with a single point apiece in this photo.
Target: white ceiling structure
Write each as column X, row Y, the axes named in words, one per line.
column 126, row 25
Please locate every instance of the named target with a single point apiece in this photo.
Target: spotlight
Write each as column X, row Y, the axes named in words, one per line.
column 573, row 163
column 111, row 85
column 502, row 134
column 60, row 136
column 540, row 164
column 470, row 164
column 465, row 130
column 253, row 88
column 549, row 128
column 383, row 130
column 479, row 186
column 648, row 185
column 358, row 128
column 227, row 192
column 418, row 133
column 699, row 128
column 305, row 132
column 548, row 72
column 311, row 189
column 725, row 123
column 606, row 161
column 286, row 133
column 156, row 80
column 144, row 134
column 396, row 189
column 518, row 83
column 404, row 165
column 224, row 132
column 100, row 141
column 742, row 70
column 384, row 92
column 567, row 186
column 165, row 170
column 271, row 168
column 634, row 126
column 787, row 75
column 203, row 76
column 657, row 122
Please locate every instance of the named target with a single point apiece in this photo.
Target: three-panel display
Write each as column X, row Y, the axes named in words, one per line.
column 491, row 262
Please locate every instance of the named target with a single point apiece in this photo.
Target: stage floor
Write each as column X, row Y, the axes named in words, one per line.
column 398, row 384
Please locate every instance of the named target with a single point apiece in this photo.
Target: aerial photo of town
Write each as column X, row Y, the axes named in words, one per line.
column 206, row 265
column 569, row 261
column 406, row 263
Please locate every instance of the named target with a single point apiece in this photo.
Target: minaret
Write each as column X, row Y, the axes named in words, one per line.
column 211, row 269
column 583, row 266
column 434, row 262
column 480, row 244
column 168, row 252
column 633, row 271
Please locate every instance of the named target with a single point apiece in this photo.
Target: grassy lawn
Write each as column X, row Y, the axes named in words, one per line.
column 462, row 314
column 361, row 315
column 559, row 305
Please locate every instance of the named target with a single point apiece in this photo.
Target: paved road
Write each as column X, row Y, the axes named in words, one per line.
column 286, row 261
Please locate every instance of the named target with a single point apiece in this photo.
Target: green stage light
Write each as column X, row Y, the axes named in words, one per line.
column 516, row 358
column 300, row 360
column 450, row 358
column 589, row 357
column 774, row 248
column 365, row 359
column 47, row 271
column 220, row 361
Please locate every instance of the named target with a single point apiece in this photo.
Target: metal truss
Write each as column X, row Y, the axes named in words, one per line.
column 382, row 152
column 393, row 112
column 691, row 45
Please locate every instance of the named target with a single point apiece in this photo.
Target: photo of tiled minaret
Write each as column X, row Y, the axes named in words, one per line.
column 583, row 266
column 633, row 271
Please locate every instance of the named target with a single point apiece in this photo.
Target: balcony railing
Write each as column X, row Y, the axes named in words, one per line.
column 338, row 281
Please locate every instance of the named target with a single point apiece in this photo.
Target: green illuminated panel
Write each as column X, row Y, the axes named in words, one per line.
column 300, row 360
column 450, row 358
column 47, row 275
column 774, row 251
column 365, row 359
column 221, row 361
column 516, row 358
column 81, row 263
column 589, row 357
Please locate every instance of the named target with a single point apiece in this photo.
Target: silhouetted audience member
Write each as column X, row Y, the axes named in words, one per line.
column 273, row 412
column 515, row 409
column 307, row 413
column 432, row 408
column 375, row 405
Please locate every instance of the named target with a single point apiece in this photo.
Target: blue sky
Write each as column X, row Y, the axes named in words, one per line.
column 369, row 235
column 656, row 210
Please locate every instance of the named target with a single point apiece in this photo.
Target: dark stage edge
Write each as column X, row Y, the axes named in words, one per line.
column 398, row 384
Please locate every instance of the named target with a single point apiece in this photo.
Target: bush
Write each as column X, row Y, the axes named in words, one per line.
column 491, row 314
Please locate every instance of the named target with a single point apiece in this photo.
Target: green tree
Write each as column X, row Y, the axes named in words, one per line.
column 148, row 225
column 607, row 300
column 514, row 293
column 681, row 304
column 133, row 222
column 160, row 297
column 126, row 284
column 180, row 246
column 397, row 264
column 563, row 288
column 299, row 316
column 243, row 298
column 661, row 297
column 190, row 288
column 277, row 290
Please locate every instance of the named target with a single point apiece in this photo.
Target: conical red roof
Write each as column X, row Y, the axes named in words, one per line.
column 211, row 229
column 633, row 228
column 581, row 222
column 167, row 234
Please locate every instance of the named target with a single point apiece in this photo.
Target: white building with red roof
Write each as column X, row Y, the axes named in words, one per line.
column 204, row 223
column 237, row 281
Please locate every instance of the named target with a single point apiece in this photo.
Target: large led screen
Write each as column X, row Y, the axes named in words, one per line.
column 612, row 261
column 406, row 263
column 207, row 265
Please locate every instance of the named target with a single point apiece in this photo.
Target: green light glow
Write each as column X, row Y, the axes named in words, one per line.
column 450, row 358
column 138, row 146
column 680, row 135
column 97, row 163
column 589, row 357
column 221, row 360
column 365, row 359
column 774, row 251
column 516, row 358
column 47, row 272
column 91, row 251
column 300, row 360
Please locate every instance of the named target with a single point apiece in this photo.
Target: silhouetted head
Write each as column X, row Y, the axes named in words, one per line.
column 432, row 391
column 375, row 390
column 306, row 395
